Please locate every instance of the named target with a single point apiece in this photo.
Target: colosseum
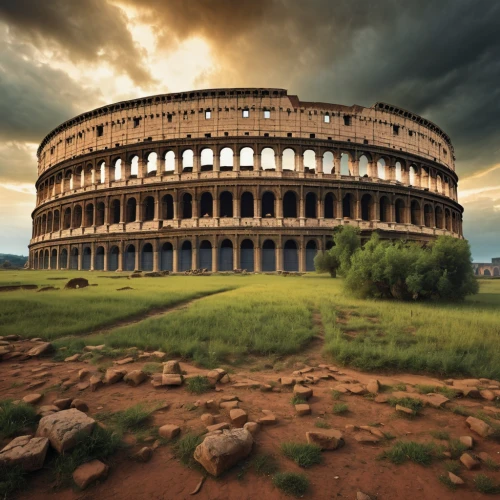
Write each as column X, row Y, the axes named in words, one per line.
column 243, row 178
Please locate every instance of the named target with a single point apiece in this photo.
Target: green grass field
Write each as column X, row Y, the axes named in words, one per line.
column 260, row 315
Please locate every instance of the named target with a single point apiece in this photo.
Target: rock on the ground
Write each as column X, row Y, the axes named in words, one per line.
column 362, row 496
column 217, row 427
column 63, row 404
column 268, row 419
column 287, row 381
column 144, row 454
column 124, row 361
column 455, row 479
column 238, row 417
column 220, row 452
column 467, row 441
column 172, row 367
column 364, row 437
column 95, row 382
column 45, row 410
column 41, row 349
column 326, row 440
column 169, row 431
column 469, row 461
column 373, row 386
column 32, row 399
column 302, row 391
column 479, row 426
column 207, row 419
column 64, row 428
column 160, row 380
column 252, row 427
column 90, row 472
column 228, row 405
column 112, row 376
column 25, row 451
column 404, row 409
column 303, row 409
column 74, row 357
column 135, row 377
column 90, row 348
column 80, row 405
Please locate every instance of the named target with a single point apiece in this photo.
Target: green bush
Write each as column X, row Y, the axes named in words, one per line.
column 15, row 417
column 325, row 262
column 12, row 479
column 419, row 453
column 303, row 454
column 184, row 448
column 198, row 384
column 291, row 483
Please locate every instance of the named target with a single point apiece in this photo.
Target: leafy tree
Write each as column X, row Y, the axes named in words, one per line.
column 324, row 262
column 6, row 264
column 346, row 240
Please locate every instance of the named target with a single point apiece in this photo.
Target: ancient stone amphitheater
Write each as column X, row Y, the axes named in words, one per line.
column 235, row 178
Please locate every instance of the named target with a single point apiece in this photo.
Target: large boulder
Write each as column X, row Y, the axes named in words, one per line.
column 479, row 427
column 26, row 452
column 65, row 427
column 172, row 367
column 220, row 452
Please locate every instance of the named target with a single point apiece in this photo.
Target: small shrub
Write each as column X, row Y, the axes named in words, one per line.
column 402, row 451
column 297, row 400
column 461, row 410
column 452, row 466
column 184, row 448
column 265, row 465
column 131, row 419
column 15, row 417
column 440, row 435
column 447, row 391
column 456, row 448
column 291, row 483
column 322, row 424
column 491, row 464
column 198, row 384
column 425, row 389
column 336, row 395
column 414, row 404
column 151, row 368
column 340, row 408
column 399, row 387
column 12, row 479
column 303, row 454
column 484, row 484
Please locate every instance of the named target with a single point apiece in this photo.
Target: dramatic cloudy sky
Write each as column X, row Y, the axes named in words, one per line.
column 440, row 59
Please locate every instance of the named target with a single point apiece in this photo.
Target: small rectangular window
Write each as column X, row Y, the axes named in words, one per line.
column 246, row 113
column 267, row 114
column 208, row 114
column 289, row 134
column 169, row 118
column 312, row 136
column 208, row 135
column 137, row 122
column 395, row 129
column 347, row 120
column 410, row 133
column 365, row 141
column 326, row 118
column 100, row 130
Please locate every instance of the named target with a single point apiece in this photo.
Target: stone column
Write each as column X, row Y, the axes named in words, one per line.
column 405, row 176
column 175, row 259
column 160, row 165
column 319, row 164
column 137, row 263
column 177, row 163
column 122, row 209
column 141, row 168
column 236, row 256
column 257, row 259
column 302, row 257
column 105, row 264
column 354, row 168
column 279, row 257
column 196, row 163
column 217, row 162
column 126, row 170
column 299, row 163
column 278, row 162
column 157, row 207
column 120, row 257
column 92, row 256
column 337, row 160
column 236, row 160
column 155, row 257
column 80, row 255
column 215, row 256
column 256, row 161
column 433, row 186
column 194, row 254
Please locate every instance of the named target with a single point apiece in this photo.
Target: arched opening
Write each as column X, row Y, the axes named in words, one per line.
column 205, row 255
column 115, row 211
column 129, row 264
column 113, row 259
column 152, row 164
column 225, row 204
column 246, row 204
column 367, row 207
column 226, row 159
column 486, row 272
column 363, row 166
column 167, row 207
column 428, row 218
column 311, row 251
column 415, row 213
column 149, row 208
column 311, row 206
column 496, row 271
column 206, row 205
column 167, row 257
column 206, row 160
column 226, row 256
column 267, row 159
column 328, row 163
column 79, row 177
column 147, row 257
column 447, row 220
column 413, row 175
column 347, row 206
column 309, row 159
column 246, row 159
column 170, row 162
column 399, row 171
column 56, row 223
column 73, row 260
column 290, row 204
column 187, row 160
column 439, row 218
column 89, row 215
column 290, row 256
column 247, row 255
column 131, row 210
column 330, row 206
column 86, row 258
column 49, row 222
column 118, row 169
column 344, row 164
column 268, row 204
column 186, row 256
column 385, row 209
column 53, row 259
column 399, row 209
column 439, row 184
column 381, row 169
column 99, row 259
column 102, row 172
column 187, row 206
column 100, row 214
column 268, row 256
column 46, row 259
column 288, row 159
column 44, row 224
column 77, row 216
column 63, row 259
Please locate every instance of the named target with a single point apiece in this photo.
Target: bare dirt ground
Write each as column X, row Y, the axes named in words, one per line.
column 342, row 474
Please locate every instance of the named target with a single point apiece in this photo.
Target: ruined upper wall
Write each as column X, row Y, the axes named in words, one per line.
column 183, row 115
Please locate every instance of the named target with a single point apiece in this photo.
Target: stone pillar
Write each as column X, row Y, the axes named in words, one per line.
column 196, row 163
column 141, row 168
column 257, row 259
column 160, row 165
column 105, row 265
column 337, row 160
column 137, row 263
column 279, row 257
column 157, row 207
column 319, row 164
column 256, row 161
column 122, row 209
column 92, row 256
column 177, row 165
column 120, row 257
column 302, row 257
column 302, row 211
column 80, row 256
column 155, row 257
column 357, row 208
column 340, row 214
column 217, row 162
column 175, row 259
column 236, row 160
column 236, row 208
column 126, row 170
column 299, row 163
column 433, row 186
column 354, row 168
column 236, row 256
column 256, row 207
column 215, row 259
column 372, row 169
column 138, row 211
column 194, row 254
column 279, row 208
column 278, row 162
column 405, row 176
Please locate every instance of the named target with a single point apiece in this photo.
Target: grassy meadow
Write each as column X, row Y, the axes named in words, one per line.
column 260, row 315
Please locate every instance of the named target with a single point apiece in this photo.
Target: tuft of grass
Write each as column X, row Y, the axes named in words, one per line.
column 340, row 408
column 447, row 391
column 198, row 384
column 12, row 479
column 419, row 453
column 490, row 464
column 322, row 424
column 452, row 466
column 303, row 454
column 484, row 484
column 100, row 444
column 440, row 435
column 265, row 465
column 425, row 389
column 414, row 404
column 151, row 368
column 184, row 448
column 15, row 417
column 291, row 483
column 297, row 400
column 461, row 410
column 336, row 395
column 132, row 419
column 456, row 448
column 399, row 387
column 444, row 478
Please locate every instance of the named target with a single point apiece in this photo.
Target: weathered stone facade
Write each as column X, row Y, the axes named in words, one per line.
column 235, row 178
column 487, row 268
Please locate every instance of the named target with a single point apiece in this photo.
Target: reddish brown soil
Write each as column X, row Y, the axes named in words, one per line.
column 342, row 473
